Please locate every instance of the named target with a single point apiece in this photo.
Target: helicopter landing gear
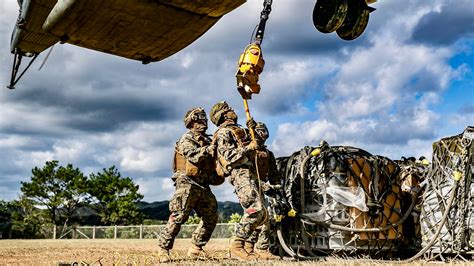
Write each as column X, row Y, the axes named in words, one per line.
column 328, row 15
column 348, row 18
column 355, row 22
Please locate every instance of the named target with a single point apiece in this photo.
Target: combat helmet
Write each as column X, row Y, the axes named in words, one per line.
column 218, row 111
column 262, row 130
column 194, row 114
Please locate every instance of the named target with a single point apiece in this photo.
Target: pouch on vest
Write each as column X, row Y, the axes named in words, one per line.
column 191, row 169
column 181, row 164
column 221, row 170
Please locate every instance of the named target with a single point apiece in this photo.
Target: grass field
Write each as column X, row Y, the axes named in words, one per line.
column 128, row 252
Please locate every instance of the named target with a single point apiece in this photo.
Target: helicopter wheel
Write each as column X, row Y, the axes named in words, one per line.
column 329, row 15
column 355, row 22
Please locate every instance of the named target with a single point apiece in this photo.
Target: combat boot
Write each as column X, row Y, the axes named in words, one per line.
column 237, row 250
column 249, row 247
column 163, row 255
column 196, row 252
column 264, row 254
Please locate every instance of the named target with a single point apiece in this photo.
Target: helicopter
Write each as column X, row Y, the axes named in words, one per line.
column 147, row 30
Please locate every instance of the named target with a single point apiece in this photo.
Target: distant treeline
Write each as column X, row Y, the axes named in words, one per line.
column 159, row 210
column 62, row 195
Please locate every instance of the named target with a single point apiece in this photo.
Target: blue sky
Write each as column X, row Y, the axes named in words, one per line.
column 408, row 81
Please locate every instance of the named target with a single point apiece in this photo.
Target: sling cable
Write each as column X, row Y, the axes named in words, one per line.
column 250, row 66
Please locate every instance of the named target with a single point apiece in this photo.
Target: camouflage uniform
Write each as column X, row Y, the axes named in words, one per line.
column 243, row 177
column 192, row 193
column 268, row 172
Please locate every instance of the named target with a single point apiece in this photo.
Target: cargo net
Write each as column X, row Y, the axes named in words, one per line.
column 349, row 201
column 453, row 159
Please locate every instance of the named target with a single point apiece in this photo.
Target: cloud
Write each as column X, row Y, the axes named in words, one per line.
column 141, row 151
column 454, row 21
column 362, row 134
column 155, row 187
column 378, row 96
column 290, row 81
column 469, row 109
column 381, row 92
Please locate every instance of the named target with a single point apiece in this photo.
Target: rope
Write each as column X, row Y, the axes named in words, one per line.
column 260, row 193
column 438, row 231
column 388, row 185
column 365, row 230
column 290, row 251
column 319, row 172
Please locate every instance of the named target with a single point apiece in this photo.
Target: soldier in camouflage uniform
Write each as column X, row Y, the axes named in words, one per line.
column 194, row 171
column 270, row 180
column 232, row 157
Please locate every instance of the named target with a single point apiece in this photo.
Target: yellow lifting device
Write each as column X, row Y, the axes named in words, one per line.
column 251, row 63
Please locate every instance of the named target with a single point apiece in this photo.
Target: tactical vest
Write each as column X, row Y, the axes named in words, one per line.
column 181, row 164
column 205, row 169
column 240, row 134
column 242, row 137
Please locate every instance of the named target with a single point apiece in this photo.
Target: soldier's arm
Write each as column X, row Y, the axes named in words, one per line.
column 228, row 148
column 192, row 150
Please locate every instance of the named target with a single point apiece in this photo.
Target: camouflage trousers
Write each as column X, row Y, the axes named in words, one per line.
column 186, row 198
column 261, row 236
column 251, row 200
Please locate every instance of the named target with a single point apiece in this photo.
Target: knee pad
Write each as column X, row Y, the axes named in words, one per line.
column 178, row 217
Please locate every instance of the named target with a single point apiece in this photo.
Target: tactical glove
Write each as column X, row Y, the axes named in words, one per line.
column 253, row 145
column 251, row 124
column 211, row 150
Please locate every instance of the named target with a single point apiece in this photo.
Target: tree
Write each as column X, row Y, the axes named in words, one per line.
column 27, row 220
column 5, row 219
column 61, row 190
column 114, row 197
column 194, row 219
column 234, row 218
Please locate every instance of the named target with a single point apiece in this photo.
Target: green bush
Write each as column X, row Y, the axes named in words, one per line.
column 234, row 218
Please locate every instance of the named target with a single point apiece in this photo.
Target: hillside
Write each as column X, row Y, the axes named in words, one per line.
column 158, row 210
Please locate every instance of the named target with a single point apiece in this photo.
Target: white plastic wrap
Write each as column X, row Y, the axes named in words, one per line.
column 348, row 196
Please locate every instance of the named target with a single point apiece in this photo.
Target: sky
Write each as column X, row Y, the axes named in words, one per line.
column 405, row 83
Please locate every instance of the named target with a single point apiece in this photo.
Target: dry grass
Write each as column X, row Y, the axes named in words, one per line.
column 128, row 252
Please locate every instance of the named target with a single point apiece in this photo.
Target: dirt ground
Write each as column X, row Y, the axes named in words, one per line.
column 128, row 252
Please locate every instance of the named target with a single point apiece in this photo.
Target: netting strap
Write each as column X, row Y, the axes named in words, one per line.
column 290, row 251
column 440, row 227
column 309, row 220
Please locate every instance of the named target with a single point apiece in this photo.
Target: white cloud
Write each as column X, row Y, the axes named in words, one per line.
column 147, row 161
column 155, row 187
column 380, row 95
column 95, row 110
column 224, row 192
column 363, row 86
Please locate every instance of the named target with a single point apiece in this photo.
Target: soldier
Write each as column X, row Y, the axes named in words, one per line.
column 193, row 168
column 233, row 160
column 270, row 181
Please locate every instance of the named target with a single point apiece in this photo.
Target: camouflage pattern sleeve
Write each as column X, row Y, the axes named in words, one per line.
column 228, row 147
column 191, row 148
column 274, row 176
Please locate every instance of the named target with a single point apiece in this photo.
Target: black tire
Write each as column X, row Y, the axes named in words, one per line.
column 355, row 22
column 329, row 15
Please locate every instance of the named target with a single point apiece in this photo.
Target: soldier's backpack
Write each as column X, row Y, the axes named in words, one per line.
column 223, row 168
